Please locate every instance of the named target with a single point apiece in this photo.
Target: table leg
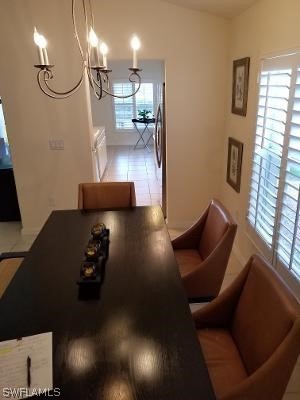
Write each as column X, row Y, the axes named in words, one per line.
column 141, row 136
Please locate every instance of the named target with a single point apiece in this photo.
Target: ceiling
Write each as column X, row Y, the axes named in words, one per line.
column 224, row 8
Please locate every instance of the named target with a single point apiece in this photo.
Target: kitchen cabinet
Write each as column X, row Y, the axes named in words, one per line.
column 100, row 152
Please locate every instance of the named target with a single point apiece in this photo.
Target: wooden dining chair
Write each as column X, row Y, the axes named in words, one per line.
column 9, row 264
column 202, row 252
column 106, row 195
column 250, row 335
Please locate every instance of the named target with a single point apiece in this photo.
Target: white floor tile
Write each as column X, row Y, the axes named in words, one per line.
column 24, row 243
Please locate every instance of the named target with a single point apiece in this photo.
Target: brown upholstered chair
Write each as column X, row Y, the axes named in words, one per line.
column 250, row 335
column 106, row 195
column 202, row 252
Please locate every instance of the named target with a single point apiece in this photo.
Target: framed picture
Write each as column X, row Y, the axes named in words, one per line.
column 234, row 163
column 240, row 86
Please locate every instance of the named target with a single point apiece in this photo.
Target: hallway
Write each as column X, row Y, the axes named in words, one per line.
column 126, row 164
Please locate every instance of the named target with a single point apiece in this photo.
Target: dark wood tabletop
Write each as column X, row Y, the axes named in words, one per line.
column 137, row 340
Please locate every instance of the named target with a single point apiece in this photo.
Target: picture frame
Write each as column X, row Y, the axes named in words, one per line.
column 234, row 163
column 240, row 86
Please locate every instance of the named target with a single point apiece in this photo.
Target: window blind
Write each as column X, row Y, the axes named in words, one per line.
column 123, row 107
column 274, row 197
column 127, row 109
column 270, row 129
column 289, row 230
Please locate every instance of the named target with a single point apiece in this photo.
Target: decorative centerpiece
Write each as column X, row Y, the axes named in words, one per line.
column 98, row 231
column 88, row 270
column 96, row 253
column 93, row 250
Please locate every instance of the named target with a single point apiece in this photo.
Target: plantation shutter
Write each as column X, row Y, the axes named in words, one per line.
column 274, row 198
column 289, row 230
column 144, row 98
column 270, row 129
column 124, row 111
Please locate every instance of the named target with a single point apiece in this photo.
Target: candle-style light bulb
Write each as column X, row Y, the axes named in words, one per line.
column 41, row 42
column 104, row 51
column 93, row 38
column 36, row 37
column 135, row 44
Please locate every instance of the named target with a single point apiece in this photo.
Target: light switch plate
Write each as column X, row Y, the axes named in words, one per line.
column 56, row 144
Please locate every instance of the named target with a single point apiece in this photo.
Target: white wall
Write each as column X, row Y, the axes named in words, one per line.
column 45, row 179
column 268, row 26
column 194, row 46
column 102, row 111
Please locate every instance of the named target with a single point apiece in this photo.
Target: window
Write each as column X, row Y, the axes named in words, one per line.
column 127, row 109
column 274, row 199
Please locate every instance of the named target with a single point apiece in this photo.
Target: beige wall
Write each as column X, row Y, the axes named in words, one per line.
column 45, row 179
column 194, row 46
column 267, row 27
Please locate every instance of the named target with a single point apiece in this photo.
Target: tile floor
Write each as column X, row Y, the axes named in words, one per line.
column 11, row 238
column 126, row 164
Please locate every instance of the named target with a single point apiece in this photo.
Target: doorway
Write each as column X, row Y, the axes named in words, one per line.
column 130, row 126
column 9, row 206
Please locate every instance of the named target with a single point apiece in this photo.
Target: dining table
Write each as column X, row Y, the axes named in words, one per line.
column 131, row 339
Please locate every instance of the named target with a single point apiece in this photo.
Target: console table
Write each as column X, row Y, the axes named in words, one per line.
column 142, row 130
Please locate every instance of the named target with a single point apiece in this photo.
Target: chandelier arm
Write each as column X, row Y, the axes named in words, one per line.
column 75, row 29
column 130, row 95
column 99, row 85
column 45, row 75
column 88, row 51
column 47, row 93
column 86, row 20
column 93, row 83
column 92, row 14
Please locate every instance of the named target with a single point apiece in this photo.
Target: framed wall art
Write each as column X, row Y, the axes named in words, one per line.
column 240, row 86
column 234, row 163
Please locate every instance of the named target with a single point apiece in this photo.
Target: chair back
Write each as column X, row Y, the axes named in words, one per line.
column 217, row 223
column 265, row 314
column 106, row 195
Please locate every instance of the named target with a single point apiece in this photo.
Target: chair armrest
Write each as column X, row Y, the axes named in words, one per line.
column 207, row 278
column 16, row 254
column 219, row 312
column 269, row 381
column 191, row 237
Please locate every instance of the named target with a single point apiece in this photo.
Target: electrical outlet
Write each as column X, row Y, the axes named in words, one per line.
column 56, row 144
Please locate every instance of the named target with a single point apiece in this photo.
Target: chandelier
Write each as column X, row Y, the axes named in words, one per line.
column 96, row 70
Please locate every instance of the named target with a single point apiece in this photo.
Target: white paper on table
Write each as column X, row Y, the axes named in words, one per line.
column 13, row 366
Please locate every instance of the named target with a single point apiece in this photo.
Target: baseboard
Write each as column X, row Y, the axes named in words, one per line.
column 179, row 225
column 242, row 260
column 29, row 231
